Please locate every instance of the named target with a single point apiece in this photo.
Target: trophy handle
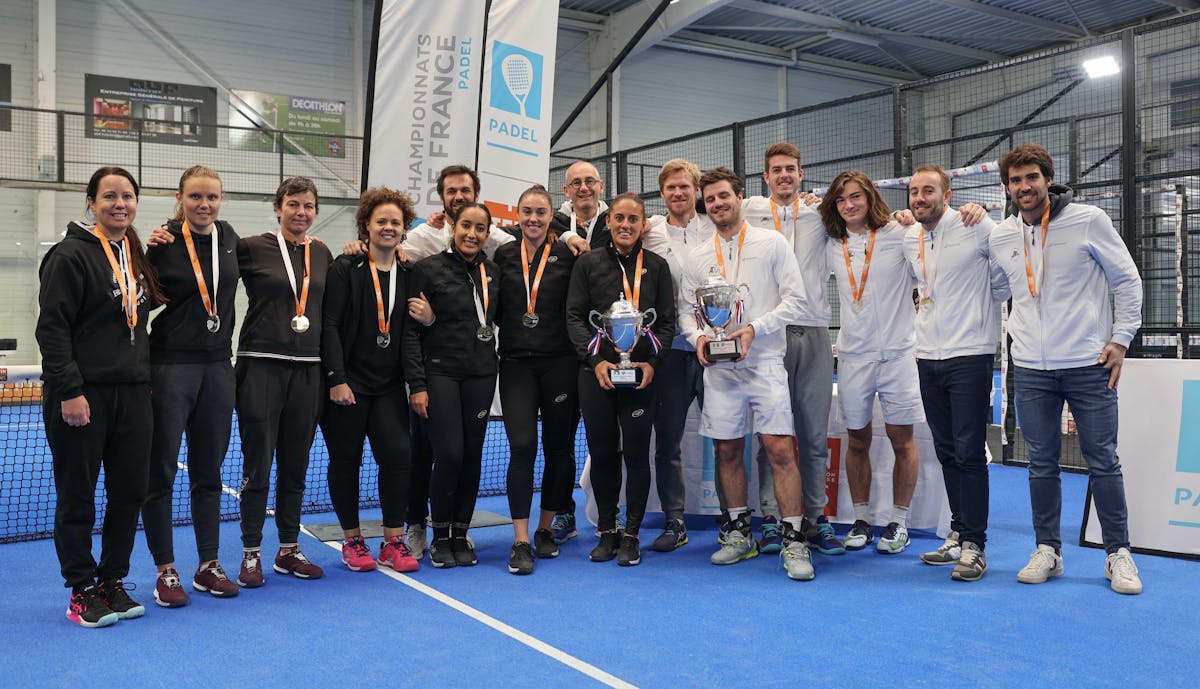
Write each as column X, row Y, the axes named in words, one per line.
column 593, row 319
column 649, row 317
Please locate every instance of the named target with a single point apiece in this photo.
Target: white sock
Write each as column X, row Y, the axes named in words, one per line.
column 795, row 522
column 735, row 512
column 862, row 511
column 286, row 546
column 900, row 515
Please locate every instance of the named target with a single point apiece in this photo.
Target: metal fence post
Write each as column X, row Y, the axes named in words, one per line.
column 738, row 132
column 1130, row 148
column 902, row 156
column 60, row 137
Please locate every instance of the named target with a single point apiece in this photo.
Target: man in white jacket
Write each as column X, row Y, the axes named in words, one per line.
column 680, row 375
column 809, row 357
column 1061, row 261
column 956, row 349
column 760, row 265
column 457, row 185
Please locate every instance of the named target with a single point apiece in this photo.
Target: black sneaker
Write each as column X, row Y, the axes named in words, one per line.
column 630, row 553
column 674, row 535
column 88, row 609
column 520, row 560
column 441, row 554
column 544, row 545
column 606, row 549
column 119, row 601
column 464, row 552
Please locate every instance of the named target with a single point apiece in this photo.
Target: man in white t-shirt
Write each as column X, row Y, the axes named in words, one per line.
column 457, row 185
column 760, row 265
column 1062, row 261
column 680, row 375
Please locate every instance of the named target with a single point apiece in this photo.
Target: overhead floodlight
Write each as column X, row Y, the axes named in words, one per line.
column 1101, row 67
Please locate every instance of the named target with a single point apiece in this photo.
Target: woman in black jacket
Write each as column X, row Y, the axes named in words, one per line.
column 192, row 377
column 538, row 372
column 619, row 419
column 366, row 301
column 454, row 377
column 96, row 293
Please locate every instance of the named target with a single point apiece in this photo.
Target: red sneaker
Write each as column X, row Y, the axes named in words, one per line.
column 167, row 591
column 395, row 554
column 291, row 561
column 356, row 555
column 213, row 579
column 251, row 574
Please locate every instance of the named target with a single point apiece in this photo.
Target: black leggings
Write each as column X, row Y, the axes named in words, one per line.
column 198, row 399
column 618, row 422
column 548, row 384
column 458, row 420
column 422, row 470
column 118, row 437
column 278, row 403
column 345, row 428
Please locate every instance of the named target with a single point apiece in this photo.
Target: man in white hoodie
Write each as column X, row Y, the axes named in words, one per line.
column 760, row 265
column 956, row 349
column 1061, row 261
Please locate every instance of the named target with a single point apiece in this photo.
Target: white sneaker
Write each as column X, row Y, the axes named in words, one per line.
column 1043, row 564
column 417, row 539
column 797, row 560
column 893, row 540
column 1123, row 574
column 948, row 553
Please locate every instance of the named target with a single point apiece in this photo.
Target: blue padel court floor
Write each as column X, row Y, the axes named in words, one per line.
column 868, row 620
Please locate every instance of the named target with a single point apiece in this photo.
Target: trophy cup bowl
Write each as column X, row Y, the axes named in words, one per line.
column 715, row 302
column 623, row 324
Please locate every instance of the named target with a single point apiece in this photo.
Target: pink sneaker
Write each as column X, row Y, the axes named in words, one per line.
column 357, row 555
column 395, row 554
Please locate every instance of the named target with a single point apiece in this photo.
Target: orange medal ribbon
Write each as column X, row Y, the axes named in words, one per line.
column 633, row 296
column 531, row 293
column 125, row 280
column 382, row 316
column 856, row 290
column 721, row 259
column 209, row 306
column 1028, row 265
column 775, row 213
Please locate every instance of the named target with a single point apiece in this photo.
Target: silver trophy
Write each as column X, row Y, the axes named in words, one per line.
column 623, row 326
column 715, row 304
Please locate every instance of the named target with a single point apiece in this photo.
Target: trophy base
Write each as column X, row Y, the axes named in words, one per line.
column 723, row 350
column 625, row 377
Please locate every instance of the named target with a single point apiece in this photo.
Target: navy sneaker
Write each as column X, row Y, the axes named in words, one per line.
column 563, row 527
column 824, row 539
column 772, row 536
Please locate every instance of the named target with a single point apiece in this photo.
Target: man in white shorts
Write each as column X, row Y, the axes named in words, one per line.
column 760, row 265
column 875, row 348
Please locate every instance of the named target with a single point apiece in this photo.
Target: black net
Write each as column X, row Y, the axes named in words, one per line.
column 27, row 485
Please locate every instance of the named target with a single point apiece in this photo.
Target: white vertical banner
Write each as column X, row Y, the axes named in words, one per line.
column 426, row 83
column 518, row 95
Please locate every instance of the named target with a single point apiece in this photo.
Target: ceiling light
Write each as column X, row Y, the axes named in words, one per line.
column 1101, row 66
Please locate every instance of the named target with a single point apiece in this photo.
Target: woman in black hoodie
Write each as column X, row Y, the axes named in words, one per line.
column 454, row 377
column 190, row 351
column 96, row 293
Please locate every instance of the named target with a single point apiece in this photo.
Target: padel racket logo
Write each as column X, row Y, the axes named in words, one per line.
column 516, row 80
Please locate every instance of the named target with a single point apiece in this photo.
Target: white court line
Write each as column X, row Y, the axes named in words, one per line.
column 505, row 629
column 479, row 616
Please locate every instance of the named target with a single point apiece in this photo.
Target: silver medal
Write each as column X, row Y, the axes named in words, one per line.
column 530, row 319
column 383, row 340
column 300, row 324
column 485, row 333
column 214, row 323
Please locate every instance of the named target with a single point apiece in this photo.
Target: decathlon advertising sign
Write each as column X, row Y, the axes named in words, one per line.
column 1158, row 443
column 518, row 96
column 423, row 94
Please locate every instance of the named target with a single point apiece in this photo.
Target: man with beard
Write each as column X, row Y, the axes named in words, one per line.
column 956, row 348
column 1061, row 261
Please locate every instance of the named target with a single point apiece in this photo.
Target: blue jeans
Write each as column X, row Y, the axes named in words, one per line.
column 1040, row 397
column 956, row 393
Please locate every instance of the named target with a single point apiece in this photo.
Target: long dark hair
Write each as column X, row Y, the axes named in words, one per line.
column 137, row 258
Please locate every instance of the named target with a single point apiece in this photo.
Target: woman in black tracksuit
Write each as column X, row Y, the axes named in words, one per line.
column 367, row 300
column 538, row 372
column 192, row 377
column 279, row 377
column 620, row 418
column 455, row 379
column 96, row 293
